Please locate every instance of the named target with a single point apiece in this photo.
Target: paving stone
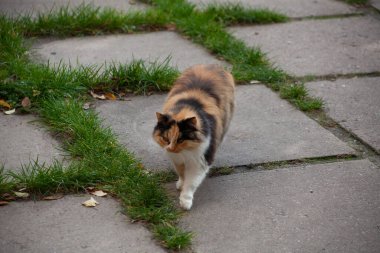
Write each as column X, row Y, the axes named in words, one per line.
column 14, row 8
column 265, row 128
column 123, row 49
column 292, row 8
column 66, row 226
column 354, row 104
column 375, row 4
column 331, row 207
column 319, row 47
column 23, row 140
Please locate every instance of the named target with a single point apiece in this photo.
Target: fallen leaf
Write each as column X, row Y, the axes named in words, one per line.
column 254, row 82
column 10, row 112
column 53, row 197
column 4, row 104
column 110, row 96
column 8, row 197
column 22, row 194
column 90, row 203
column 90, row 188
column 25, row 102
column 171, row 27
column 3, row 203
column 99, row 193
column 94, row 95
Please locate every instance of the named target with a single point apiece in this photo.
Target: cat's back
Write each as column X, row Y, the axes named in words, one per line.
column 209, row 84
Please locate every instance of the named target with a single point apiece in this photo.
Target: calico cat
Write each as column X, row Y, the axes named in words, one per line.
column 195, row 118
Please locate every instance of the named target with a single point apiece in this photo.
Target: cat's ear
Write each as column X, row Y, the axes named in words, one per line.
column 190, row 123
column 161, row 117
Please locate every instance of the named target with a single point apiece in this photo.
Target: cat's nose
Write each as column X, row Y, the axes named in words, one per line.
column 170, row 149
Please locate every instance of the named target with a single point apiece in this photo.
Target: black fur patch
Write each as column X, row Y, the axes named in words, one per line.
column 187, row 131
column 165, row 124
column 208, row 123
column 206, row 86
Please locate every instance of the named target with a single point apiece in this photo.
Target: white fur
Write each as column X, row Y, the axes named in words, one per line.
column 196, row 168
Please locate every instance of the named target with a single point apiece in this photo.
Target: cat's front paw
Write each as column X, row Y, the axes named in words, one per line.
column 179, row 184
column 185, row 202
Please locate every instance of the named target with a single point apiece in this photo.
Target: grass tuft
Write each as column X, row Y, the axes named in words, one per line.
column 233, row 14
column 6, row 185
column 358, row 2
column 172, row 237
column 298, row 95
column 89, row 20
column 140, row 77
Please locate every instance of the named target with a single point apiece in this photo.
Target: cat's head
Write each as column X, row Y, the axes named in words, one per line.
column 177, row 135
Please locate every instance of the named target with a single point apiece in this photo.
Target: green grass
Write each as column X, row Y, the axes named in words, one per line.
column 231, row 14
column 172, row 237
column 298, row 95
column 360, row 2
column 88, row 20
column 6, row 185
column 140, row 77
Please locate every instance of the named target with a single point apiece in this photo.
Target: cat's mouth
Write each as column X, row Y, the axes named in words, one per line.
column 172, row 150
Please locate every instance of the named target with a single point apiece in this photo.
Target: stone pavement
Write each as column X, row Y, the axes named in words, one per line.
column 15, row 8
column 66, row 226
column 24, row 140
column 329, row 206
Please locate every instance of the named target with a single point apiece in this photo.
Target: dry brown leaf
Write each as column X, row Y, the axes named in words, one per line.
column 53, row 197
column 94, row 95
column 90, row 203
column 10, row 112
column 171, row 27
column 25, row 102
column 99, row 193
column 4, row 104
column 21, row 194
column 8, row 197
column 110, row 96
column 90, row 188
column 3, row 203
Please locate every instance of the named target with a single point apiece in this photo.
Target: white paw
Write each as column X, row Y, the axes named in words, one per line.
column 185, row 203
column 179, row 184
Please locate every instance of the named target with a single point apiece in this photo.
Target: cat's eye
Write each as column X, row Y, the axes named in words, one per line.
column 165, row 139
column 180, row 140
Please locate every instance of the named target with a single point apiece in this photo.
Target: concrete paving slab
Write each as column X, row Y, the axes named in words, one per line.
column 319, row 47
column 124, row 48
column 23, row 140
column 15, row 8
column 317, row 208
column 292, row 8
column 66, row 226
column 265, row 128
column 354, row 104
column 375, row 4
